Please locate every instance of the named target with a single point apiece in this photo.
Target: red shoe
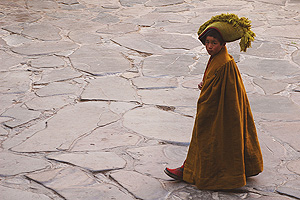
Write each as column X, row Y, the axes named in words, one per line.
column 177, row 173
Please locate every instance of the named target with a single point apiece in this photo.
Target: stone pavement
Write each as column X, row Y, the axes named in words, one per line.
column 98, row 96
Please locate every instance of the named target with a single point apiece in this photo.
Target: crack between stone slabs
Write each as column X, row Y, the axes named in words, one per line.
column 54, row 191
column 121, row 186
column 143, row 54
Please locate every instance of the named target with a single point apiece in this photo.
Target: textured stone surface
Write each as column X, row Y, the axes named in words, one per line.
column 157, row 122
column 12, row 164
column 141, row 186
column 98, row 97
column 92, row 161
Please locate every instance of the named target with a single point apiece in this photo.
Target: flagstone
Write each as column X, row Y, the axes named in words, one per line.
column 65, row 127
column 51, row 103
column 73, row 183
column 44, row 48
column 270, row 86
column 106, row 18
column 285, row 131
column 170, row 97
column 141, row 186
column 59, row 88
column 15, row 40
column 118, row 28
column 163, row 2
column 152, row 160
column 130, row 3
column 44, row 32
column 173, row 41
column 150, row 19
column 138, row 43
column 58, row 74
column 108, row 137
column 122, row 107
column 171, row 65
column 41, row 5
column 267, row 49
column 84, row 37
column 110, row 89
column 295, row 97
column 290, row 188
column 15, row 194
column 8, row 61
column 15, row 82
column 47, row 62
column 99, row 60
column 182, row 28
column 294, row 166
column 272, row 104
column 296, row 57
column 12, row 164
column 92, row 161
column 159, row 124
column 20, row 116
column 269, row 69
column 150, row 83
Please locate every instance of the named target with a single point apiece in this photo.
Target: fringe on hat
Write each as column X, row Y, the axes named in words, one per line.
column 243, row 23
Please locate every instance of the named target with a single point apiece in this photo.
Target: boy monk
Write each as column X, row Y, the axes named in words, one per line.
column 224, row 148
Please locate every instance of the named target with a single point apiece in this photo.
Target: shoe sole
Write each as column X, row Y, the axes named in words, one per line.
column 173, row 175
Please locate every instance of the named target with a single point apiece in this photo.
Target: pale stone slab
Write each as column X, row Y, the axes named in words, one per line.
column 60, row 74
column 155, row 83
column 7, row 100
column 141, row 186
column 92, row 161
column 47, row 62
column 151, row 19
column 289, row 31
column 110, row 89
column 84, row 37
column 119, row 28
column 295, row 97
column 19, row 116
column 12, row 164
column 59, row 88
column 291, row 188
column 270, row 69
column 138, row 43
column 106, row 18
column 170, row 97
column 15, row 194
column 51, row 103
column 44, row 32
column 73, row 183
column 41, row 5
column 182, row 28
column 65, row 127
column 163, row 2
column 130, row 3
column 8, row 61
column 121, row 107
column 99, row 60
column 270, row 86
column 272, row 104
column 110, row 136
column 23, row 135
column 296, row 57
column 172, row 65
column 155, row 123
column 15, row 82
column 173, row 41
column 285, row 131
column 174, row 9
column 22, row 16
column 15, row 40
column 44, row 48
column 266, row 50
column 294, row 166
column 152, row 160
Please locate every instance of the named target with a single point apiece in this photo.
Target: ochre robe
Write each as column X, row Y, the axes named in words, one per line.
column 224, row 149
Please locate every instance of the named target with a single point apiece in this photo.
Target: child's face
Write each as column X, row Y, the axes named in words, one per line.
column 213, row 46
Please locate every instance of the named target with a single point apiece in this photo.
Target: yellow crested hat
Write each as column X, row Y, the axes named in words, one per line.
column 231, row 28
